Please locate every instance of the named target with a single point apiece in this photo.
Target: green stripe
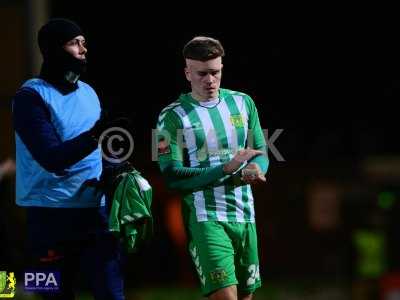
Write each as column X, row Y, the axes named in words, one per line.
column 220, row 131
column 231, row 203
column 210, row 202
column 234, row 110
column 219, row 127
column 187, row 207
column 240, row 131
column 200, row 136
column 245, row 199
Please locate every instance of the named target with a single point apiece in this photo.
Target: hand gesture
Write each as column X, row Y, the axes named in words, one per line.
column 252, row 174
column 240, row 157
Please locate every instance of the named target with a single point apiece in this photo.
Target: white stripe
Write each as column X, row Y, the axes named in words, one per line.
column 200, row 206
column 160, row 123
column 230, row 130
column 160, row 126
column 164, row 112
column 170, row 106
column 190, row 138
column 251, row 204
column 143, row 183
column 127, row 219
column 220, row 203
column 210, row 135
column 239, row 204
column 161, row 117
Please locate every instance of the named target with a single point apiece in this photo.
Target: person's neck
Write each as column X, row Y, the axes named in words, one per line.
column 71, row 77
column 201, row 99
column 64, row 81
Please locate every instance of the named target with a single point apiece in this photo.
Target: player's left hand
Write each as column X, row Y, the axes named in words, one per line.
column 252, row 174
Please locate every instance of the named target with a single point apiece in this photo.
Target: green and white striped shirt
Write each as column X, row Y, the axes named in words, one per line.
column 208, row 134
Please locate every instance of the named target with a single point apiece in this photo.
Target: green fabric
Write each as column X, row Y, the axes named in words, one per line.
column 235, row 179
column 168, row 130
column 224, row 254
column 189, row 179
column 196, row 139
column 255, row 138
column 130, row 216
column 261, row 160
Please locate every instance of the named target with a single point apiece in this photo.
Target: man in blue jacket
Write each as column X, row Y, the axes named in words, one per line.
column 57, row 126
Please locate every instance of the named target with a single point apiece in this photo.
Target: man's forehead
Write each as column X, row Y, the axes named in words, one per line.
column 212, row 64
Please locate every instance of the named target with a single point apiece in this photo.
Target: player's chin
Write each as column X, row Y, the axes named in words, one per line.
column 211, row 93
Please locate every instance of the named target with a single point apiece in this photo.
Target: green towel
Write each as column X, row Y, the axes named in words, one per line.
column 130, row 216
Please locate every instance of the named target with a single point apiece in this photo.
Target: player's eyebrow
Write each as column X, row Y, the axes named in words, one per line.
column 209, row 71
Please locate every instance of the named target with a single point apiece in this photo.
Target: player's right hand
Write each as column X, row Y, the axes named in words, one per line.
column 240, row 157
column 244, row 155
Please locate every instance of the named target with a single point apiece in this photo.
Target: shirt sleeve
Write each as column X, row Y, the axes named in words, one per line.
column 256, row 139
column 32, row 123
column 170, row 158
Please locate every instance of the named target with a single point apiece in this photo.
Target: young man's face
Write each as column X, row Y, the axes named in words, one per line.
column 204, row 77
column 76, row 47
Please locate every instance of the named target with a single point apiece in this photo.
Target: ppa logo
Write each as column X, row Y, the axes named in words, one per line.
column 7, row 284
column 42, row 281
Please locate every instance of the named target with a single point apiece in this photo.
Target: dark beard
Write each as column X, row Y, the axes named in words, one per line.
column 62, row 70
column 69, row 63
column 64, row 62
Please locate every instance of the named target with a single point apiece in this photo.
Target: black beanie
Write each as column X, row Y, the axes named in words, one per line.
column 55, row 33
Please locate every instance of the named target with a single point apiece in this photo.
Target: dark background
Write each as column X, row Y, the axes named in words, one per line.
column 327, row 78
column 327, row 75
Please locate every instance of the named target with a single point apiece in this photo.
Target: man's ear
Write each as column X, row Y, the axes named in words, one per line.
column 187, row 74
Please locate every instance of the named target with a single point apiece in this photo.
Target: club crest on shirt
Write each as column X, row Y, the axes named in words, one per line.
column 237, row 120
